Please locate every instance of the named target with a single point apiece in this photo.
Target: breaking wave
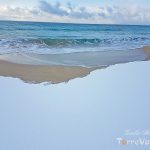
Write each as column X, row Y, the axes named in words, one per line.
column 48, row 45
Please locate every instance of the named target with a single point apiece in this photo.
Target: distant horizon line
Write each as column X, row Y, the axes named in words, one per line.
column 74, row 23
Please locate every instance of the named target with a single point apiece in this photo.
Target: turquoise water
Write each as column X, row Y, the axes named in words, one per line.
column 51, row 38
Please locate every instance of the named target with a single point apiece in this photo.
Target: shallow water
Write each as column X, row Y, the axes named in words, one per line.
column 84, row 59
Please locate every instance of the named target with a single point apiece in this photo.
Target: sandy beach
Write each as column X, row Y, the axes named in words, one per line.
column 147, row 51
column 48, row 73
column 42, row 73
column 83, row 114
column 74, row 75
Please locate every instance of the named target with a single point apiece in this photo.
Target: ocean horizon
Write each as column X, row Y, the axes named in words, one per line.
column 129, row 24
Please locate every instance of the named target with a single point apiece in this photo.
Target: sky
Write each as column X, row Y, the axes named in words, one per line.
column 77, row 11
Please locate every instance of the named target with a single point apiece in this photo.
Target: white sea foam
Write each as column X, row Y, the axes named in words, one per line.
column 60, row 46
column 88, row 59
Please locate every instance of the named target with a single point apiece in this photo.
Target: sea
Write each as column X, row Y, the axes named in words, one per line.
column 60, row 38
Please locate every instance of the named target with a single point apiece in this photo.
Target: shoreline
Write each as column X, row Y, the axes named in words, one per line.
column 36, row 73
column 42, row 73
column 83, row 59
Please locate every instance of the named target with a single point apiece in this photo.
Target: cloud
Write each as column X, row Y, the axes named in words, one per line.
column 81, row 12
column 17, row 13
column 52, row 9
column 108, row 14
column 127, row 15
column 59, row 12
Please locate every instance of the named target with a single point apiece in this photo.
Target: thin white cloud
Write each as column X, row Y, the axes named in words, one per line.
column 59, row 12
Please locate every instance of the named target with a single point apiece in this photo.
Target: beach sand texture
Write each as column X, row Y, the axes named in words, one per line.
column 47, row 73
column 41, row 73
column 147, row 51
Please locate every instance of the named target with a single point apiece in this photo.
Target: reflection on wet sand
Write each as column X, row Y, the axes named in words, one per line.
column 37, row 70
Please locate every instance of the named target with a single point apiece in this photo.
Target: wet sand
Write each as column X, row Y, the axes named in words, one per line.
column 147, row 51
column 85, row 59
column 35, row 73
column 42, row 73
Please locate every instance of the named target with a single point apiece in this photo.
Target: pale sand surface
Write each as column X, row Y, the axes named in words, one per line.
column 83, row 114
column 42, row 73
